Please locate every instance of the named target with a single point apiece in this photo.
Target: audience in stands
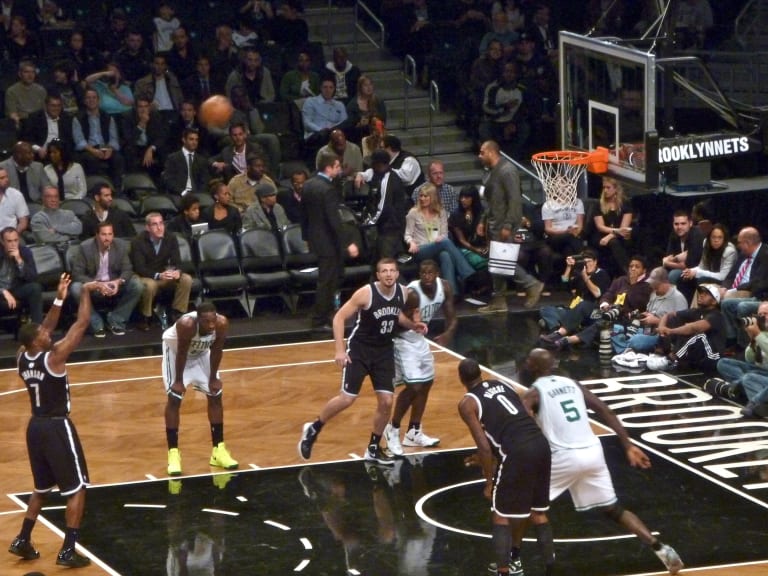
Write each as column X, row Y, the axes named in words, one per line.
column 144, row 138
column 290, row 198
column 345, row 75
column 83, row 58
column 506, row 112
column 232, row 160
column 182, row 57
column 348, row 152
column 243, row 186
column 613, row 227
column 189, row 213
column 717, row 258
column 64, row 173
column 164, row 24
column 25, row 174
column 134, row 59
column 185, row 170
column 288, row 27
column 302, row 81
column 22, row 43
column 201, row 84
column 161, row 87
column 253, row 76
column 104, row 211
column 322, row 113
column 500, row 32
column 265, row 213
column 26, row 96
column 467, row 226
column 47, row 124
column 683, row 251
column 14, row 212
column 18, row 277
column 96, row 141
column 387, row 206
column 449, row 198
column 64, row 87
column 362, row 109
column 222, row 215
column 115, row 96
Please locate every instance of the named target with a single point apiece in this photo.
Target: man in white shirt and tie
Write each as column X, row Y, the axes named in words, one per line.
column 185, row 170
column 746, row 284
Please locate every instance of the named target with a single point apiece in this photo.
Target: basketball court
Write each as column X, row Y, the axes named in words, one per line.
column 707, row 492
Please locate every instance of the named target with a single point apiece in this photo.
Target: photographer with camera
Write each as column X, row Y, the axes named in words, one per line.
column 625, row 300
column 587, row 283
column 664, row 298
column 694, row 337
column 748, row 377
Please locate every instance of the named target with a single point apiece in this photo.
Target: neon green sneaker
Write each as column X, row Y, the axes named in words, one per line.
column 174, row 462
column 174, row 487
column 221, row 457
column 221, row 480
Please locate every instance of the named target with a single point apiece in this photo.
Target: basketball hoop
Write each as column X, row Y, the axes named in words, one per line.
column 560, row 171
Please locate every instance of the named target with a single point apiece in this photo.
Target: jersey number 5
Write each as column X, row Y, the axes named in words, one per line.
column 570, row 411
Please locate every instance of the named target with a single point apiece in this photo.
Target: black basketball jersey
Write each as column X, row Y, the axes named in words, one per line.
column 502, row 414
column 48, row 392
column 375, row 324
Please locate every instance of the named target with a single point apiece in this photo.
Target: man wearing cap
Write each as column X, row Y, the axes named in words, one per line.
column 665, row 298
column 694, row 337
column 265, row 213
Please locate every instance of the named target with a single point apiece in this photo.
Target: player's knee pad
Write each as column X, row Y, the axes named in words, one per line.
column 216, row 394
column 614, row 512
column 174, row 397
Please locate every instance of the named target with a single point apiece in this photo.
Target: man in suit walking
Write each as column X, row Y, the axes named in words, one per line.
column 324, row 231
column 185, row 170
column 104, row 259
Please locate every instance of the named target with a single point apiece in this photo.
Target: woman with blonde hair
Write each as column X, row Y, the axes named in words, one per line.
column 363, row 108
column 613, row 228
column 426, row 233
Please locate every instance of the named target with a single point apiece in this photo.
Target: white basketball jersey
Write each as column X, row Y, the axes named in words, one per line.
column 199, row 344
column 563, row 413
column 427, row 307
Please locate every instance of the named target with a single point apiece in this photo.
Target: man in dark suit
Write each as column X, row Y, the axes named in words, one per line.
column 324, row 232
column 144, row 138
column 18, row 275
column 157, row 262
column 232, row 160
column 185, row 170
column 40, row 127
column 103, row 211
column 119, row 289
column 746, row 284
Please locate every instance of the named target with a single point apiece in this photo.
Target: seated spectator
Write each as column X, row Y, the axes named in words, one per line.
column 22, row 43
column 64, row 173
column 187, row 119
column 104, row 259
column 587, row 283
column 65, row 88
column 301, row 82
column 185, row 170
column 467, row 226
column 201, row 85
column 245, row 35
column 627, row 296
column 18, row 277
column 115, row 96
column 144, row 138
column 683, row 251
column 717, row 258
column 613, row 227
column 536, row 255
column 321, row 114
column 426, row 234
column 232, row 160
column 288, row 28
column 538, row 73
column 222, row 215
column 265, row 213
column 243, row 186
column 40, row 127
column 350, row 154
column 500, row 32
column 248, row 115
column 164, row 25
column 14, row 212
column 290, row 199
column 53, row 224
column 83, row 58
column 160, row 87
column 25, row 96
column 103, row 211
column 134, row 59
column 25, row 173
column 544, row 31
column 253, row 76
column 189, row 213
column 694, row 338
column 505, row 111
column 182, row 57
column 345, row 75
column 563, row 226
column 362, row 109
column 259, row 13
column 96, row 141
column 223, row 55
column 749, row 377
column 484, row 71
column 156, row 262
column 374, row 141
column 113, row 38
column 449, row 198
column 664, row 298
column 514, row 11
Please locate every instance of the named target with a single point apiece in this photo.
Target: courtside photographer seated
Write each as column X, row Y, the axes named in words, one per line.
column 746, row 379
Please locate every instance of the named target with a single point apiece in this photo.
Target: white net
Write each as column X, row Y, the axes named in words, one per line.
column 559, row 173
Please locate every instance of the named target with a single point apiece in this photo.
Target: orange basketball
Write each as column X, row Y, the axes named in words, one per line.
column 215, row 111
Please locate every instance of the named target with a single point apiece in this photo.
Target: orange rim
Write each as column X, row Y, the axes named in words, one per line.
column 575, row 157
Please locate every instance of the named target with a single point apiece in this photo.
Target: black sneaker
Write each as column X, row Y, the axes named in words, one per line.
column 308, row 437
column 376, row 454
column 71, row 558
column 24, row 549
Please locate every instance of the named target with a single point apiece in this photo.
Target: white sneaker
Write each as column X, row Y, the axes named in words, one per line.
column 417, row 438
column 630, row 359
column 670, row 558
column 392, row 435
column 657, row 362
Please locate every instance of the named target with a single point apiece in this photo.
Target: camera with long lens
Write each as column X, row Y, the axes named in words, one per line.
column 758, row 321
column 612, row 314
column 635, row 325
column 578, row 262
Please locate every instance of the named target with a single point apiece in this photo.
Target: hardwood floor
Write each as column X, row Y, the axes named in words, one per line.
column 269, row 392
